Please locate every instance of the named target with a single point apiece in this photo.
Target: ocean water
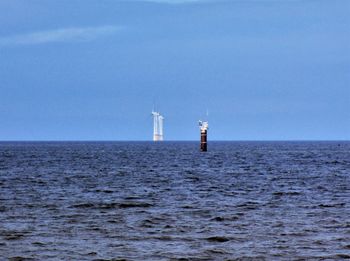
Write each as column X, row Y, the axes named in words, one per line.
column 168, row 201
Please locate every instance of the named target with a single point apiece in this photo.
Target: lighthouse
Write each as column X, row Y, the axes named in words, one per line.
column 203, row 126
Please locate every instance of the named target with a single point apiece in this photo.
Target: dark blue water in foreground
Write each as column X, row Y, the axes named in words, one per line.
column 145, row 201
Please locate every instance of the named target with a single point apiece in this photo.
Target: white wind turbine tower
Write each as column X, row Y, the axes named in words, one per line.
column 157, row 126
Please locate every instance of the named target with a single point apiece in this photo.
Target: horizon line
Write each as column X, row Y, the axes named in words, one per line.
column 165, row 141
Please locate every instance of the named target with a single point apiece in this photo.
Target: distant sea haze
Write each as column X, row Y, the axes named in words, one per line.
column 169, row 201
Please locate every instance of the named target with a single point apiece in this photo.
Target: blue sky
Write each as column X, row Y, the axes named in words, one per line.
column 92, row 69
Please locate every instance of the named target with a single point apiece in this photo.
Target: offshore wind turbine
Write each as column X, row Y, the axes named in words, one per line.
column 158, row 120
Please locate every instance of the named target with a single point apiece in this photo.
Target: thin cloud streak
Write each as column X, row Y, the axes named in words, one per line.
column 72, row 34
column 202, row 1
column 174, row 1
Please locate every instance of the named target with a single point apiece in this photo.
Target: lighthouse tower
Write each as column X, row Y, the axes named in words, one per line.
column 204, row 126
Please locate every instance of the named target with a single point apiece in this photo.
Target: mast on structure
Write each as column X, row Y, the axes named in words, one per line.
column 157, row 126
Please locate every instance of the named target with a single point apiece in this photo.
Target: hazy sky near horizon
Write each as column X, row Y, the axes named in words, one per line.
column 92, row 69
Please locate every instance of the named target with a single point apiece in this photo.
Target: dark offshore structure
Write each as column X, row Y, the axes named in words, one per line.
column 204, row 126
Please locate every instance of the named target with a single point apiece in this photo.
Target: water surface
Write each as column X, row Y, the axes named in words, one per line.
column 168, row 201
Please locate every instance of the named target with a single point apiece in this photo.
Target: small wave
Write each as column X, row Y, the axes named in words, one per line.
column 83, row 205
column 14, row 236
column 38, row 244
column 147, row 223
column 343, row 256
column 113, row 205
column 91, row 254
column 217, row 251
column 288, row 193
column 226, row 218
column 20, row 258
column 135, row 205
column 332, row 205
column 112, row 259
column 219, row 239
column 107, row 191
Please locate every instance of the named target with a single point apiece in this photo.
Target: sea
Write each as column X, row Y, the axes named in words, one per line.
column 169, row 201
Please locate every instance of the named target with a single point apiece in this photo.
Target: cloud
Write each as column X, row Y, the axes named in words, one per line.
column 174, row 1
column 72, row 34
column 199, row 1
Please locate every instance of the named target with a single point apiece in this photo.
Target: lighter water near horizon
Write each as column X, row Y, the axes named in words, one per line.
column 168, row 201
